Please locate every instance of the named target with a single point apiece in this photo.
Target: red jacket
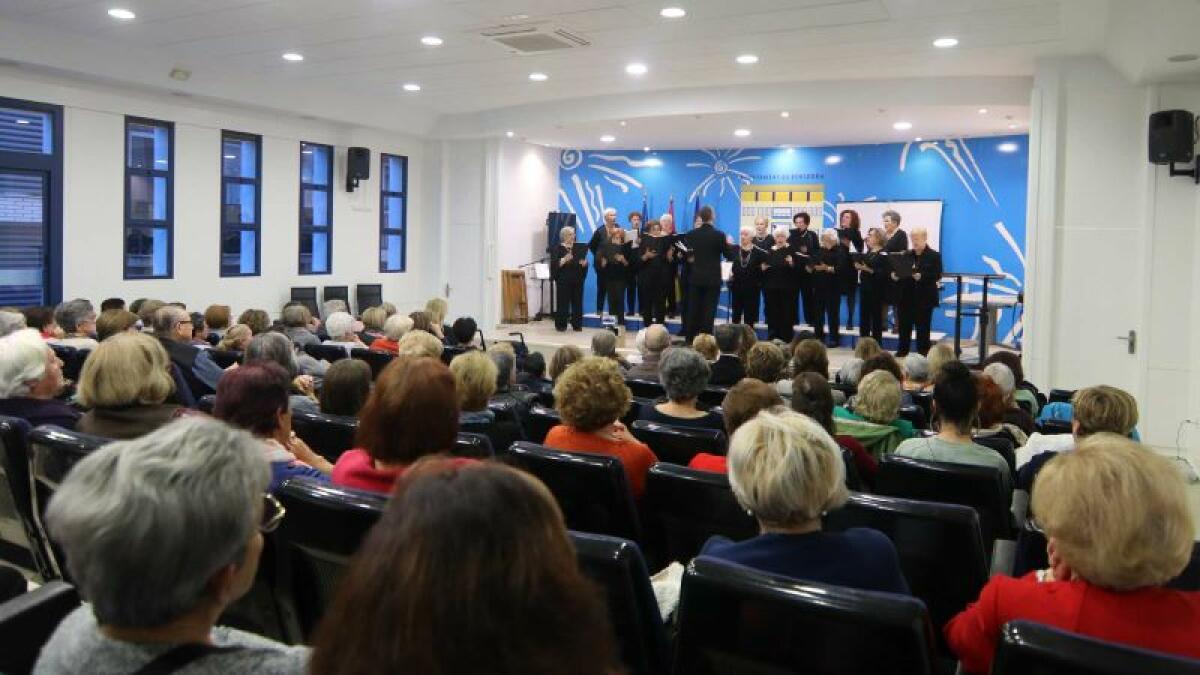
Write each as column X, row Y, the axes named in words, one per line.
column 635, row 456
column 356, row 469
column 1154, row 618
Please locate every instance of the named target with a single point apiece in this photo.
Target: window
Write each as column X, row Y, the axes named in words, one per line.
column 30, row 203
column 241, row 203
column 393, row 214
column 316, row 208
column 149, row 202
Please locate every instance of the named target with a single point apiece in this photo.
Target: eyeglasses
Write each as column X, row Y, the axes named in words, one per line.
column 272, row 513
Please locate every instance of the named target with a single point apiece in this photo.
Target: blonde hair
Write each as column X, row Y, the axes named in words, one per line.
column 388, row 308
column 238, row 334
column 474, row 379
column 437, row 309
column 707, row 346
column 785, row 469
column 397, row 326
column 564, row 357
column 591, row 394
column 878, row 398
column 419, row 343
column 374, row 317
column 1104, row 408
column 126, row 369
column 939, row 355
column 1117, row 512
column 866, row 348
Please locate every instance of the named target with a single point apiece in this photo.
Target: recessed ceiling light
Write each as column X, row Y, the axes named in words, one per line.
column 654, row 161
column 230, row 156
column 516, row 17
column 122, row 14
column 1007, row 147
column 432, row 41
column 622, row 123
column 918, row 139
column 1012, row 126
column 1183, row 58
column 509, row 134
column 902, row 126
column 833, row 159
column 293, row 56
column 747, row 59
column 636, row 69
column 785, row 114
column 646, row 149
column 412, row 86
column 607, row 138
column 983, row 111
column 741, row 133
column 539, row 77
column 945, row 42
column 673, row 13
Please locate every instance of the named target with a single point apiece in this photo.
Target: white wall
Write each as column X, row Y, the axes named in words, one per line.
column 93, row 179
column 528, row 182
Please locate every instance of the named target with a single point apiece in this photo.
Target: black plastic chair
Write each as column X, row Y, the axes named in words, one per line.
column 687, row 506
column 329, row 353
column 1051, row 426
column 592, row 490
column 336, row 293
column 940, row 547
column 617, row 566
column 367, row 296
column 647, row 389
column 733, row 619
column 980, row 487
column 207, row 403
column 322, row 530
column 377, row 360
column 14, row 437
column 1061, row 395
column 71, row 358
column 475, row 446
column 328, row 435
column 225, row 358
column 541, row 421
column 1027, row 647
column 914, row 414
column 448, row 353
column 678, row 445
column 53, row 451
column 27, row 622
column 923, row 400
column 712, row 397
column 1004, row 446
column 307, row 296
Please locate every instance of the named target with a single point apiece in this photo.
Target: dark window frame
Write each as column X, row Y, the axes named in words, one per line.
column 129, row 220
column 310, row 229
column 226, row 226
column 384, row 230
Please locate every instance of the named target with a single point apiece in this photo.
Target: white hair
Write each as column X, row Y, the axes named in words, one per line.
column 11, row 322
column 780, row 230
column 1002, row 375
column 562, row 234
column 828, row 235
column 22, row 362
column 397, row 326
column 339, row 325
column 746, row 230
column 610, row 210
column 666, row 216
column 330, row 307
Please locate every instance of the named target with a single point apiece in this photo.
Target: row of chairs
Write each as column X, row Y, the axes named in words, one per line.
column 365, row 296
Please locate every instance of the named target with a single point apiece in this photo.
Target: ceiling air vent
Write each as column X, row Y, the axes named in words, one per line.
column 533, row 38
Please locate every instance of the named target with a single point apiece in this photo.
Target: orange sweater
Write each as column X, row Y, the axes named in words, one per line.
column 636, row 457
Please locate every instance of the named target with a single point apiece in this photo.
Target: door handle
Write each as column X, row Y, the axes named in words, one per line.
column 1130, row 340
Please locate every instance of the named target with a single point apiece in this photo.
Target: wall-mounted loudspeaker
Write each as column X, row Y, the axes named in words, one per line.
column 1172, row 136
column 358, row 167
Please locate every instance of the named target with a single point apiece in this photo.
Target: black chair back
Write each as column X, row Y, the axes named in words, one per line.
column 225, row 358
column 377, row 360
column 940, row 547
column 979, row 487
column 329, row 353
column 648, row 389
column 207, row 403
column 449, row 352
column 733, row 619
column 475, row 446
column 323, row 528
column 53, row 451
column 924, row 400
column 307, row 296
column 712, row 396
column 617, row 566
column 687, row 506
column 678, row 445
column 1052, row 426
column 27, row 622
column 914, row 414
column 328, row 435
column 367, row 296
column 1027, row 647
column 72, row 359
column 592, row 490
column 541, row 421
column 14, row 439
column 1061, row 395
column 1003, row 445
column 336, row 293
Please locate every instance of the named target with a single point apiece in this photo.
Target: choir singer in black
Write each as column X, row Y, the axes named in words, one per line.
column 706, row 247
column 850, row 236
column 804, row 242
column 895, row 240
column 568, row 267
column 780, row 285
column 746, row 283
column 828, row 268
column 615, row 257
column 873, row 281
column 919, row 295
column 655, row 256
column 600, row 237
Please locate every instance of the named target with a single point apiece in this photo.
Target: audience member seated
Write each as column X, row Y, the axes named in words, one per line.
column 30, row 379
column 916, row 373
column 412, row 412
column 111, row 303
column 885, row 361
column 254, row 397
column 532, row 372
column 1118, row 524
column 40, row 319
column 1013, row 414
column 591, row 397
column 506, row 378
column 372, row 321
column 115, row 321
column 1101, row 409
column 787, row 471
column 437, row 309
column 257, row 319
column 77, row 318
column 1024, row 392
column 744, row 400
column 421, row 321
column 235, row 338
column 345, row 389
column 199, row 331
column 340, row 327
column 992, row 412
column 276, row 348
column 684, row 374
column 878, row 402
column 394, row 330
column 939, row 355
column 809, row 356
column 173, row 328
column 812, row 396
column 475, row 382
column 473, row 550
column 564, row 357
column 727, row 370
column 464, row 332
column 298, row 325
column 126, row 383
column 866, row 347
column 850, row 372
column 955, row 405
column 161, row 534
column 765, row 361
column 749, row 339
column 604, row 344
column 420, row 343
column 657, row 339
column 707, row 346
column 217, row 318
column 146, row 312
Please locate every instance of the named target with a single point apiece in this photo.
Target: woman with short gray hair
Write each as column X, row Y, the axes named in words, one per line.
column 161, row 534
column 277, row 348
column 77, row 318
column 917, row 376
column 684, row 374
column 31, row 379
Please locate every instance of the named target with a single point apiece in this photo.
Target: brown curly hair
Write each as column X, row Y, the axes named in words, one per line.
column 591, row 394
column 765, row 361
column 810, row 356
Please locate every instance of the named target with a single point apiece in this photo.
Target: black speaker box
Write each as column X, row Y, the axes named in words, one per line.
column 1172, row 136
column 358, row 166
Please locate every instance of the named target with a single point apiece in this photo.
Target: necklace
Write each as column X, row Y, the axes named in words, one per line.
column 744, row 257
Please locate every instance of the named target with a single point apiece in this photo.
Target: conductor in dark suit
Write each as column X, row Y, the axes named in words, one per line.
column 568, row 267
column 600, row 237
column 707, row 246
column 920, row 295
column 895, row 240
column 803, row 242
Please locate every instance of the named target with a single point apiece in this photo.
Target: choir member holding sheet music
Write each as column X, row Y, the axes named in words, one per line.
column 919, row 293
column 654, row 256
column 568, row 268
column 615, row 258
column 780, row 283
column 763, row 240
column 668, row 227
column 828, row 268
column 804, row 243
column 599, row 238
column 850, row 237
column 707, row 246
column 633, row 237
column 873, row 279
column 895, row 240
column 746, row 281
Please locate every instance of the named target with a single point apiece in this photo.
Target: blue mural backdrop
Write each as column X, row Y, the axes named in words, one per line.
column 981, row 181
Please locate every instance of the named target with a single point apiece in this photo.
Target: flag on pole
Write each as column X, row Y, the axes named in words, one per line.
column 671, row 210
column 695, row 210
column 645, row 211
